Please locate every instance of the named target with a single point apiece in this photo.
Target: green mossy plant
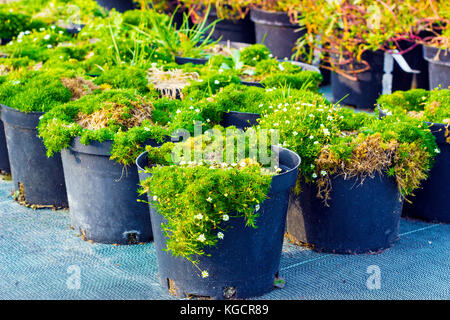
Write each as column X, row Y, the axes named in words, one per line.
column 35, row 91
column 430, row 106
column 208, row 194
column 120, row 115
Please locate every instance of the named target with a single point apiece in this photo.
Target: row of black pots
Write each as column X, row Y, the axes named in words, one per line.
column 95, row 184
column 431, row 202
column 434, row 70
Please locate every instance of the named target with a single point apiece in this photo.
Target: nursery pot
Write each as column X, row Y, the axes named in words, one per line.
column 40, row 178
column 4, row 160
column 431, row 201
column 241, row 120
column 360, row 218
column 184, row 60
column 439, row 66
column 278, row 33
column 242, row 30
column 364, row 92
column 103, row 195
column 119, row 5
column 245, row 263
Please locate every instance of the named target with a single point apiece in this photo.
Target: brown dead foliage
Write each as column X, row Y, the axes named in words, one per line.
column 116, row 113
column 79, row 87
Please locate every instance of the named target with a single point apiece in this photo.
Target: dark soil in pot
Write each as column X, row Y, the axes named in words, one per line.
column 103, row 196
column 242, row 30
column 38, row 179
column 4, row 160
column 241, row 120
column 279, row 34
column 245, row 263
column 119, row 5
column 439, row 66
column 360, row 218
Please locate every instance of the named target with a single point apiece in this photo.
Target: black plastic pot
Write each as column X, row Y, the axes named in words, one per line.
column 4, row 160
column 245, row 263
column 431, row 202
column 42, row 178
column 103, row 196
column 183, row 60
column 242, row 30
column 278, row 33
column 360, row 218
column 241, row 120
column 439, row 66
column 364, row 92
column 119, row 5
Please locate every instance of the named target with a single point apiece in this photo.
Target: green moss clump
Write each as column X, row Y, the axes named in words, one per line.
column 119, row 115
column 124, row 77
column 34, row 91
column 254, row 54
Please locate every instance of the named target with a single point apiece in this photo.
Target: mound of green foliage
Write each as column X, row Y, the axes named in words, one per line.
column 122, row 116
column 35, row 91
column 209, row 192
column 430, row 106
column 13, row 23
column 337, row 141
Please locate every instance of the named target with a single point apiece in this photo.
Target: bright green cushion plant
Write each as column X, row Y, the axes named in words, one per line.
column 430, row 106
column 256, row 64
column 196, row 198
column 120, row 115
column 13, row 23
column 337, row 141
column 35, row 91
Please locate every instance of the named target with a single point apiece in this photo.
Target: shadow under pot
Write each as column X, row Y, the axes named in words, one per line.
column 277, row 31
column 360, row 218
column 241, row 120
column 39, row 180
column 439, row 66
column 4, row 159
column 103, row 196
column 245, row 263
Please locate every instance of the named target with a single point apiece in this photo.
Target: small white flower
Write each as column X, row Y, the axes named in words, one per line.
column 198, row 216
column 326, row 132
column 201, row 238
column 437, row 150
column 220, row 235
column 330, row 118
column 53, row 27
column 312, row 166
column 209, row 199
column 287, row 122
column 197, row 110
column 311, row 115
column 257, row 207
column 155, row 198
column 261, row 105
column 323, row 173
column 60, row 32
column 225, row 217
column 316, row 142
column 191, row 107
column 41, row 29
column 220, row 70
column 295, row 133
column 216, row 81
column 314, row 175
column 205, row 274
column 311, row 137
column 178, row 110
column 49, row 46
column 47, row 36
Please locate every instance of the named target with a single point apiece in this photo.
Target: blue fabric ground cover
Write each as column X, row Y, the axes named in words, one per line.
column 37, row 249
